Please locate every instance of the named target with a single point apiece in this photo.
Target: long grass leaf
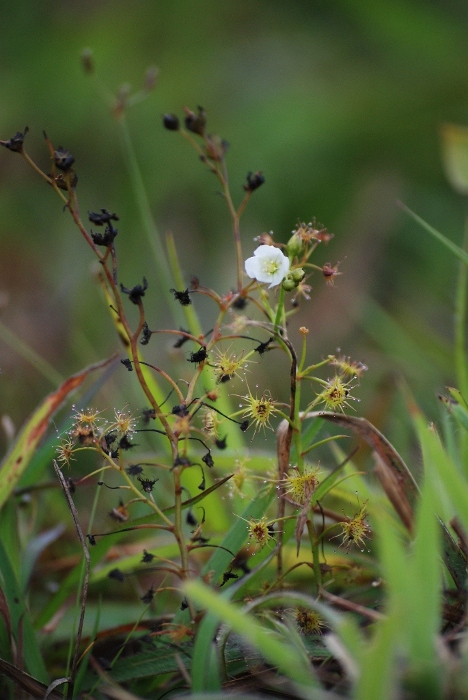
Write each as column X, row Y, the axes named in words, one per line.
column 30, row 355
column 456, row 250
column 378, row 678
column 460, row 323
column 425, row 581
column 396, row 479
column 20, row 613
column 16, row 461
column 451, row 489
column 237, row 535
column 281, row 655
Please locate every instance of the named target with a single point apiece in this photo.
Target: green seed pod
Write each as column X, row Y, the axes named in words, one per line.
column 288, row 283
column 298, row 275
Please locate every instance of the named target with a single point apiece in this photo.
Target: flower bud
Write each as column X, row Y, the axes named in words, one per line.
column 293, row 279
column 298, row 275
column 295, row 245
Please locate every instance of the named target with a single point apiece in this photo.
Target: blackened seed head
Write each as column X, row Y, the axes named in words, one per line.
column 254, row 181
column 221, row 444
column 198, row 356
column 134, row 469
column 182, row 297
column 136, row 292
column 146, row 334
column 201, row 539
column 184, row 604
column 127, row 363
column 244, row 425
column 148, row 414
column 171, row 122
column 100, row 219
column 125, row 444
column 183, row 339
column 110, row 438
column 227, row 576
column 63, row 159
column 16, row 142
column 190, row 519
column 263, row 347
column 64, row 184
column 181, row 461
column 180, row 410
column 71, row 485
column 196, row 123
column 208, row 459
column 147, row 484
column 147, row 557
column 116, row 574
column 148, row 597
column 106, row 238
column 92, row 540
column 240, row 303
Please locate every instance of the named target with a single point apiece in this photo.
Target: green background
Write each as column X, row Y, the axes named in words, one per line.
column 340, row 105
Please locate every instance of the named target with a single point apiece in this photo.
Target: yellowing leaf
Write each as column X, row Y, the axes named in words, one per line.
column 16, row 461
column 455, row 156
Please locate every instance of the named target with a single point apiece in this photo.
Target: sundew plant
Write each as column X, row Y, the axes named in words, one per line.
column 246, row 572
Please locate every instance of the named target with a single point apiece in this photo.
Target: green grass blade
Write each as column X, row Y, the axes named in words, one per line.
column 450, row 495
column 149, row 226
column 456, row 250
column 460, row 323
column 19, row 613
column 30, row 355
column 378, row 678
column 237, row 535
column 438, row 466
column 425, row 584
column 281, row 655
column 206, row 660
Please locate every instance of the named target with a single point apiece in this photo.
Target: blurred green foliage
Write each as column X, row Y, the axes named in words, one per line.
column 338, row 103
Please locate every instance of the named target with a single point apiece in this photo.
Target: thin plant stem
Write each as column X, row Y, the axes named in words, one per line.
column 141, row 198
column 279, row 310
column 84, row 589
column 315, row 554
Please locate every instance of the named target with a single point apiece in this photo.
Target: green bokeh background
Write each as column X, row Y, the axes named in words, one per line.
column 338, row 103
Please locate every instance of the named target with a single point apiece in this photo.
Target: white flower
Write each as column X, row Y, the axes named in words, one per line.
column 269, row 264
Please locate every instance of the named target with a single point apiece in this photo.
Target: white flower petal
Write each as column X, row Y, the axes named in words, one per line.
column 268, row 265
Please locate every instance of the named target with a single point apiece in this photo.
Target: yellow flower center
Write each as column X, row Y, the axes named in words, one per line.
column 270, row 267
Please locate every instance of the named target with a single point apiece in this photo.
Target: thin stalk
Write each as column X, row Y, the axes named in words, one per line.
column 279, row 310
column 141, row 198
column 460, row 321
column 315, row 554
column 188, row 311
column 178, row 532
column 459, row 341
